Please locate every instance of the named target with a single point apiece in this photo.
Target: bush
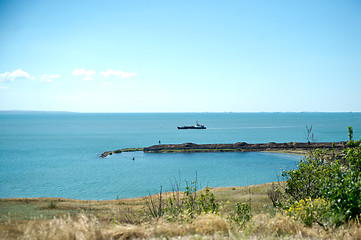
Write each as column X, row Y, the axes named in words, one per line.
column 338, row 185
column 275, row 194
column 343, row 187
column 182, row 206
column 308, row 180
column 206, row 202
column 309, row 211
column 242, row 213
column 350, row 133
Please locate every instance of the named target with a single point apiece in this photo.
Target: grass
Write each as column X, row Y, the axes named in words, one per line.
column 54, row 218
column 47, row 208
column 192, row 150
column 132, row 149
column 107, row 153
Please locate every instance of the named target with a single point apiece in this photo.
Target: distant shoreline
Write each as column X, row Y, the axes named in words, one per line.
column 219, row 112
column 291, row 147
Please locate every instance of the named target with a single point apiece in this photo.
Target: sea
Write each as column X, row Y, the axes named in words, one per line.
column 56, row 154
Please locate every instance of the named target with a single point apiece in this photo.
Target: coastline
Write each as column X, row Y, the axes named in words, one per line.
column 293, row 148
column 49, row 207
column 290, row 148
column 125, row 218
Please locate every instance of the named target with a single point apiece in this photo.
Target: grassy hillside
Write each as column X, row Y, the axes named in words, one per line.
column 53, row 218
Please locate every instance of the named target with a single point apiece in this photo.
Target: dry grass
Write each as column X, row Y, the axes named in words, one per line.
column 203, row 227
column 351, row 231
column 263, row 226
column 280, row 226
column 90, row 227
column 206, row 226
column 256, row 195
column 80, row 227
column 48, row 218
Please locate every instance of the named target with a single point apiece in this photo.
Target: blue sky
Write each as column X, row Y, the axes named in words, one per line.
column 180, row 56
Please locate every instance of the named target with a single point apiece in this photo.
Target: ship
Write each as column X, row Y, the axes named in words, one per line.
column 197, row 126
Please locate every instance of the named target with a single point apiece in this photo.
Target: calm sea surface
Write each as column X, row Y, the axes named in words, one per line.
column 57, row 154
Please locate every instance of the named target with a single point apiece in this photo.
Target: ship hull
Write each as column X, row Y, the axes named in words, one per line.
column 191, row 127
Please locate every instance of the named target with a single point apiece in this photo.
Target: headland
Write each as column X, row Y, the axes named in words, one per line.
column 291, row 147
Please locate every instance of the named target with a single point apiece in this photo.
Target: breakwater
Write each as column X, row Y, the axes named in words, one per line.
column 236, row 147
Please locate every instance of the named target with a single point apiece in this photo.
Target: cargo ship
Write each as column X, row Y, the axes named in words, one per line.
column 197, row 126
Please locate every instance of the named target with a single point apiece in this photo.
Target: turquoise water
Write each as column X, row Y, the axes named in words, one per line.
column 56, row 154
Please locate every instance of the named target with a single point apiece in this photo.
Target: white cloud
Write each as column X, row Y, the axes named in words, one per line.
column 87, row 78
column 107, row 83
column 48, row 78
column 82, row 72
column 117, row 73
column 3, row 87
column 11, row 76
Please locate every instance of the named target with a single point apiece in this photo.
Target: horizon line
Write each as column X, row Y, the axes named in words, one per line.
column 61, row 111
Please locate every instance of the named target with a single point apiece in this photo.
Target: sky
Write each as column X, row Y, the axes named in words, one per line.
column 180, row 56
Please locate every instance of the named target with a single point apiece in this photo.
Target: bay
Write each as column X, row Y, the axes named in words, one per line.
column 57, row 154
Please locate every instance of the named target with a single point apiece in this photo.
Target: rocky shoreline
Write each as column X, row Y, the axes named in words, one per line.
column 236, row 147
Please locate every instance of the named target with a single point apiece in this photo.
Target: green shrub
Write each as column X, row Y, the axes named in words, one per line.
column 206, row 202
column 308, row 180
column 350, row 133
column 52, row 205
column 275, row 194
column 193, row 202
column 338, row 184
column 242, row 214
column 182, row 206
column 310, row 211
column 343, row 187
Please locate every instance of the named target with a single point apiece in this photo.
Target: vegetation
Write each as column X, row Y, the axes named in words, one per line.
column 310, row 136
column 350, row 133
column 242, row 213
column 181, row 206
column 321, row 199
column 326, row 191
column 128, row 150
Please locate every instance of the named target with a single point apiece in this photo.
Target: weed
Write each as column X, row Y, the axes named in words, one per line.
column 274, row 193
column 52, row 205
column 155, row 207
column 182, row 206
column 242, row 214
